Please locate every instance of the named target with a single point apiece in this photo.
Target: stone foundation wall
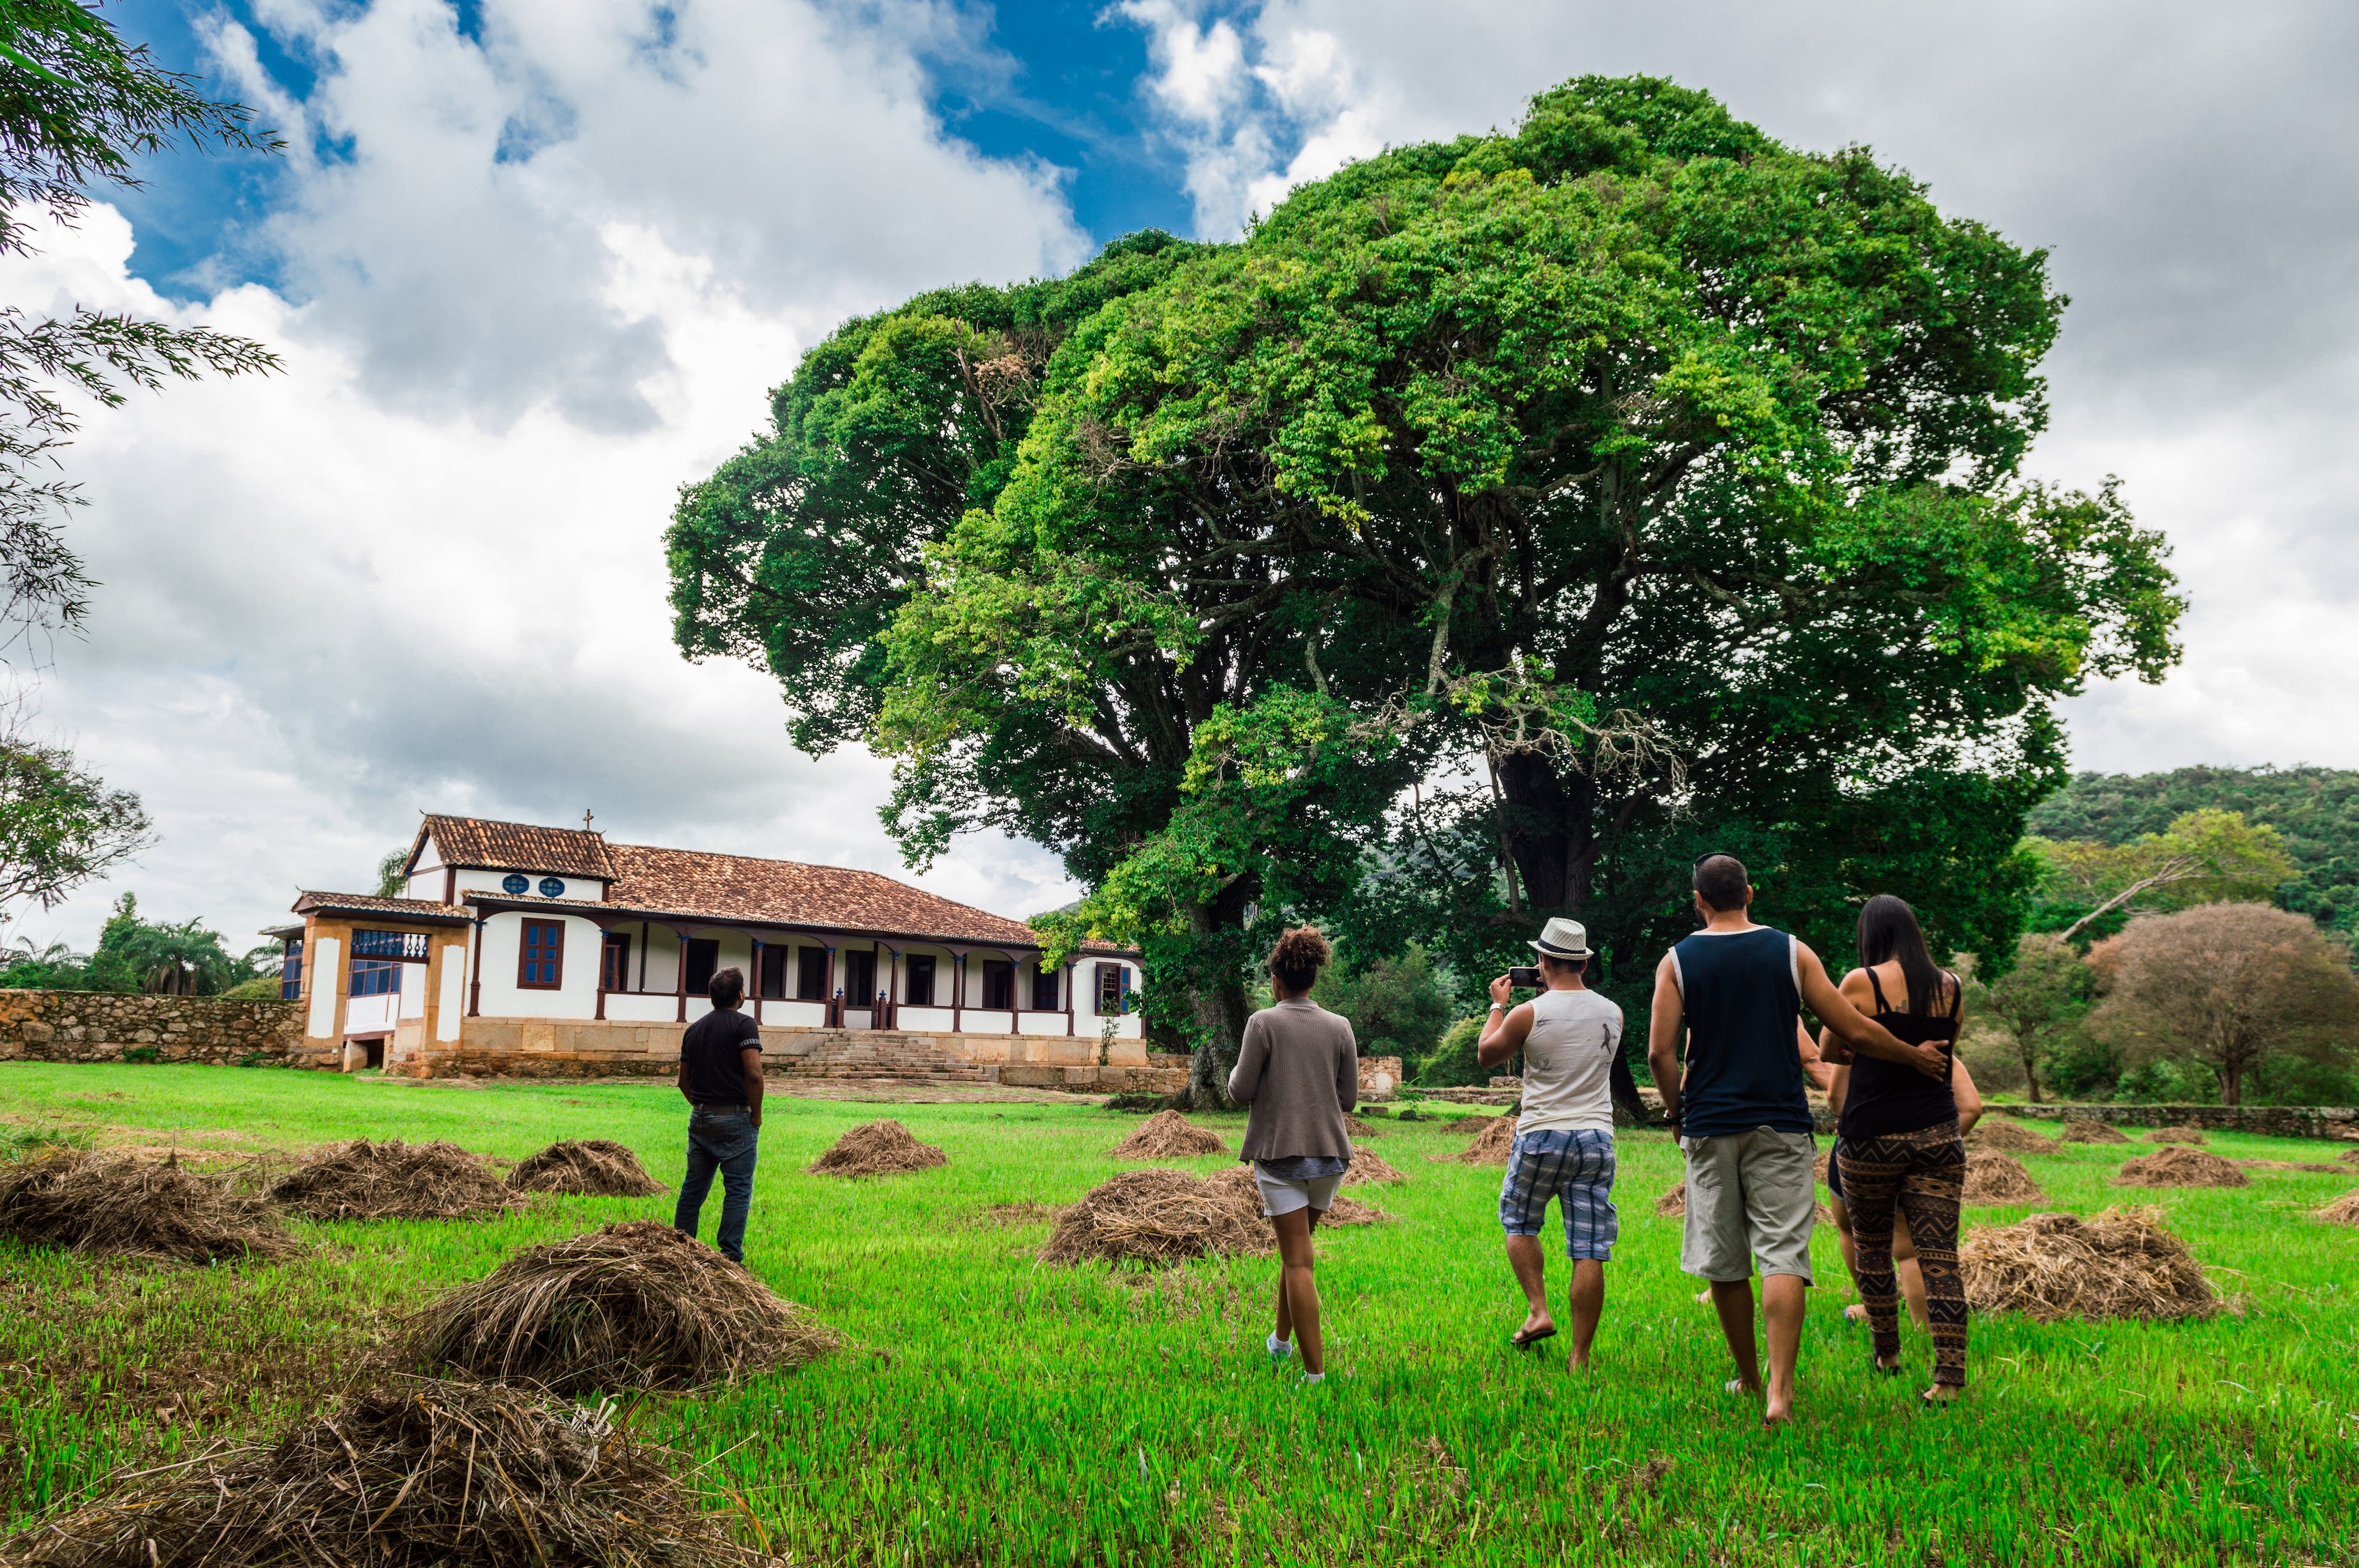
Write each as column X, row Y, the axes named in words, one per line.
column 102, row 1026
column 2276, row 1120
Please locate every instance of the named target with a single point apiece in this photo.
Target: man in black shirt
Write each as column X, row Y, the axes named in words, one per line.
column 721, row 1075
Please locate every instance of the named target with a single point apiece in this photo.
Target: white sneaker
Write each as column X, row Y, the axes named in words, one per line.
column 1279, row 1349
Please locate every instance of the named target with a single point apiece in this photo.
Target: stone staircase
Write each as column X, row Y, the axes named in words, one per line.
column 879, row 1054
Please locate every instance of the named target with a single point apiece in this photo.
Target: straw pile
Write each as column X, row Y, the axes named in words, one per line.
column 2080, row 1129
column 393, row 1180
column 637, row 1306
column 1996, row 1179
column 2344, row 1210
column 2176, row 1135
column 2349, row 1157
column 1368, row 1166
column 1358, row 1128
column 2120, row 1264
column 1167, row 1134
column 588, row 1167
column 878, row 1148
column 2008, row 1137
column 1237, row 1184
column 412, row 1472
column 153, row 1208
column 2179, row 1168
column 1491, row 1146
column 1158, row 1216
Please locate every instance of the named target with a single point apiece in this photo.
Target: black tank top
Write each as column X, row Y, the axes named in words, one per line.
column 1885, row 1097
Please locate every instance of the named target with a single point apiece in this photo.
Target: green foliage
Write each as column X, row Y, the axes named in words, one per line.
column 2206, row 856
column 391, row 879
column 2041, row 1002
column 56, row 968
column 60, row 825
column 1397, row 1006
column 254, row 988
column 134, row 954
column 1452, row 1061
column 2313, row 811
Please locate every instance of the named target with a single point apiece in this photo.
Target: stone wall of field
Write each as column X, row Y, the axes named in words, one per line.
column 2276, row 1120
column 102, row 1026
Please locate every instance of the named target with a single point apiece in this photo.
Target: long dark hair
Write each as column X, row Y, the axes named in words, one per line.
column 1888, row 930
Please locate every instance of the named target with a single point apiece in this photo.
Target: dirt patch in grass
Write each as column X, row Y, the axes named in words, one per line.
column 1158, row 1216
column 2179, row 1168
column 2313, row 1167
column 1492, row 1145
column 1007, row 1216
column 1368, row 1167
column 2176, row 1135
column 141, row 1208
column 2348, row 1157
column 2118, row 1264
column 586, row 1167
column 394, row 1180
column 2002, row 1137
column 629, row 1306
column 2344, row 1210
column 1996, row 1179
column 2081, row 1129
column 413, row 1471
column 878, row 1148
column 1168, row 1134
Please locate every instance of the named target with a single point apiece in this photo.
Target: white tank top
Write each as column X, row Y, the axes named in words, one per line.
column 1568, row 1062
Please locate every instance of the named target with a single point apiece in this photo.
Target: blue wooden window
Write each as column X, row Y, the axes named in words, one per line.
column 376, row 977
column 516, row 882
column 1113, row 989
column 551, row 888
column 290, row 971
column 541, row 964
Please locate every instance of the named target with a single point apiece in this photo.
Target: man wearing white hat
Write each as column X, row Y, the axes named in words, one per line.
column 1571, row 1039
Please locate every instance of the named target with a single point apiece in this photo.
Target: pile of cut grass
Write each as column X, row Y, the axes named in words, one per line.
column 2180, row 1168
column 2085, row 1130
column 585, row 1167
column 1358, row 1128
column 1168, row 1134
column 394, row 1180
column 1993, row 1179
column 1369, row 1167
column 2008, row 1137
column 878, row 1148
column 146, row 1208
column 1492, row 1145
column 407, row 1473
column 2118, row 1264
column 2176, row 1135
column 2344, row 1210
column 631, row 1306
column 1158, row 1216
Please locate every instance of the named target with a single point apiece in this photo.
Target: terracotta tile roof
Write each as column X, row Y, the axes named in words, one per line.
column 740, row 887
column 482, row 845
column 369, row 904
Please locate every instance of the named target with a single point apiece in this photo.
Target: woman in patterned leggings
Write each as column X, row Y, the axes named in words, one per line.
column 1899, row 1143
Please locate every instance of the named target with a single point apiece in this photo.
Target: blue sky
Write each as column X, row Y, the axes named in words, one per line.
column 535, row 264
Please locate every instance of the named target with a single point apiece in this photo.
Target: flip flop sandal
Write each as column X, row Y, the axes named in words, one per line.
column 1523, row 1341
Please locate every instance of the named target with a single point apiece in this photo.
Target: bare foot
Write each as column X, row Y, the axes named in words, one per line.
column 1881, row 1365
column 1537, row 1327
column 1578, row 1362
column 1775, row 1414
column 1943, row 1394
column 1856, row 1313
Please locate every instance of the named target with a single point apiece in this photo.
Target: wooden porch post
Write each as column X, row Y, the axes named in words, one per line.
column 893, row 991
column 475, row 985
column 679, row 977
column 1068, row 996
column 754, row 982
column 958, row 988
column 835, row 993
column 601, row 974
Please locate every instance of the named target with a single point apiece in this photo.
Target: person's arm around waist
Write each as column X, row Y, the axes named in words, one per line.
column 1663, row 1024
column 753, row 1057
column 1855, row 1028
column 1253, row 1056
column 1962, row 1090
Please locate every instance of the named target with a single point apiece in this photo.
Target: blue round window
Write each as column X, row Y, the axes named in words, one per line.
column 516, row 882
column 551, row 888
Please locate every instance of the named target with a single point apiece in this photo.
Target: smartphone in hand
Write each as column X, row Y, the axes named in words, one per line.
column 1527, row 976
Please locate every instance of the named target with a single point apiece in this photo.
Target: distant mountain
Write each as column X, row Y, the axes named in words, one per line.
column 2316, row 810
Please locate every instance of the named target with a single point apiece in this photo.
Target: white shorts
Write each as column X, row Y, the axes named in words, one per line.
column 1282, row 1195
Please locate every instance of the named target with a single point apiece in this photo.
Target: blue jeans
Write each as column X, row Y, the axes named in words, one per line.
column 725, row 1141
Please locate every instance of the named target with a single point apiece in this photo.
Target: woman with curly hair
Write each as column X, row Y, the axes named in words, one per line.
column 1299, row 1068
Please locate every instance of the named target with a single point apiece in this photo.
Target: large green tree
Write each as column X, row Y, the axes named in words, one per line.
column 1500, row 523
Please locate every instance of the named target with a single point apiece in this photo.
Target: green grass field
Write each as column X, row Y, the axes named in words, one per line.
column 989, row 1409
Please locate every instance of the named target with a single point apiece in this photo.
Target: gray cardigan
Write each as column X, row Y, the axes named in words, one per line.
column 1299, row 1067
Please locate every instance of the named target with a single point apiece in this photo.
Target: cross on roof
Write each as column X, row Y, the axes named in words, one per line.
column 586, row 820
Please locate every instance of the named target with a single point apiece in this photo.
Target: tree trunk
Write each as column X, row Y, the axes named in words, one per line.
column 1549, row 831
column 2031, row 1076
column 1216, row 1003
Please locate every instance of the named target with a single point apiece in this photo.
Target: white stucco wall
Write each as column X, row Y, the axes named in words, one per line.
column 450, row 1009
column 321, row 979
column 502, row 997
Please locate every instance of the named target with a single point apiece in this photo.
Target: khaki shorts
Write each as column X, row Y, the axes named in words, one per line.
column 1751, row 1199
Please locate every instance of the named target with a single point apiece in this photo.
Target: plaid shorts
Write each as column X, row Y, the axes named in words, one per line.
column 1574, row 1164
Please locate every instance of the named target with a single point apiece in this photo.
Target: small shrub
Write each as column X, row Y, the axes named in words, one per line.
column 143, row 1053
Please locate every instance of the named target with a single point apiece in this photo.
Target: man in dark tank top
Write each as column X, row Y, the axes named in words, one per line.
column 1736, row 990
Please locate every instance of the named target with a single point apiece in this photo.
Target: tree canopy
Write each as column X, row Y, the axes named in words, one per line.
column 2203, row 857
column 1499, row 524
column 60, row 825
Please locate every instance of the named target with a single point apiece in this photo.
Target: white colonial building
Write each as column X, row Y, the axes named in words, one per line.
column 522, row 948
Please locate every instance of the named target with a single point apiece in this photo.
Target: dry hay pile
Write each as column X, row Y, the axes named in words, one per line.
column 2120, row 1264
column 2008, row 1137
column 1358, row 1128
column 2176, row 1135
column 637, row 1306
column 2180, row 1168
column 2349, row 1157
column 153, row 1208
column 878, row 1148
column 411, row 1472
column 1996, row 1179
column 2080, row 1129
column 1491, row 1146
column 2344, row 1210
column 1237, row 1182
column 1368, row 1166
column 1160, row 1215
column 587, row 1167
column 393, row 1180
column 1165, row 1134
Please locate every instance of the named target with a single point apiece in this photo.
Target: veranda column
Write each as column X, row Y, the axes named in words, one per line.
column 679, row 979
column 603, row 956
column 1069, row 998
column 475, row 985
column 756, row 986
column 958, row 988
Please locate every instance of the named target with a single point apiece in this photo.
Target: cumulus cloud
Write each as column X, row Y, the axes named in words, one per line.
column 2185, row 164
column 532, row 283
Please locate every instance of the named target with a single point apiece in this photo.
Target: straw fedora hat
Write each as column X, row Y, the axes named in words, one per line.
column 1562, row 938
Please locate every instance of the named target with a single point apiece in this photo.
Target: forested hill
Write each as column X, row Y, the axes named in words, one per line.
column 2316, row 810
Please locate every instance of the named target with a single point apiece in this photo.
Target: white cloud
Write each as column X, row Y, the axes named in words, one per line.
column 2186, row 165
column 422, row 567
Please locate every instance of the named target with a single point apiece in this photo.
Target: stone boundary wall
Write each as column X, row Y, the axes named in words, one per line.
column 2275, row 1120
column 103, row 1026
